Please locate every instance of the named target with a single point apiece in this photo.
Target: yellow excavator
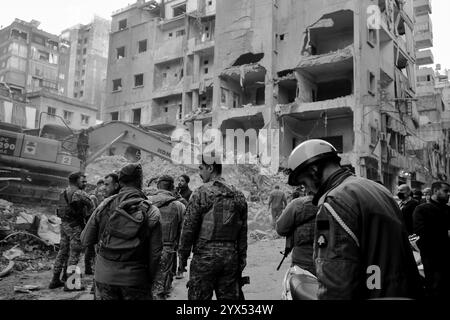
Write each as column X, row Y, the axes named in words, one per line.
column 35, row 164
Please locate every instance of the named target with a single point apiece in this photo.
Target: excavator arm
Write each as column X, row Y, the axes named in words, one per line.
column 104, row 136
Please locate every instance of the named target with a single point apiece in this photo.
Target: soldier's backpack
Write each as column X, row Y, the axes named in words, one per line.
column 169, row 221
column 223, row 221
column 123, row 238
column 64, row 209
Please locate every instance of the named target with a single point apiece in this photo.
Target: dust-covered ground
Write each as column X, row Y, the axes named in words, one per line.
column 263, row 259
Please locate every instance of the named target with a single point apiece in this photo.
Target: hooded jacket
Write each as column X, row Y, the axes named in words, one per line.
column 172, row 214
column 129, row 273
column 382, row 265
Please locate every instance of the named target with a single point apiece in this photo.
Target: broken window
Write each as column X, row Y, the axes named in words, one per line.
column 19, row 35
column 137, row 116
column 236, row 100
column 180, row 33
column 117, row 84
column 223, row 96
column 179, row 10
column 372, row 37
column 85, row 120
column 45, row 56
column 142, row 46
column 122, row 24
column 68, row 115
column 371, row 83
column 260, row 96
column 139, row 80
column 248, row 58
column 114, row 116
column 332, row 32
column 120, row 53
column 51, row 111
column 334, row 89
column 180, row 112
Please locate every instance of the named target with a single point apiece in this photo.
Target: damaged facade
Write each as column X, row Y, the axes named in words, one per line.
column 160, row 69
column 432, row 142
column 311, row 69
column 314, row 69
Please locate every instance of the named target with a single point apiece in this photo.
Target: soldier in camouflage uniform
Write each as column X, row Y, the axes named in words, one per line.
column 74, row 205
column 172, row 213
column 215, row 226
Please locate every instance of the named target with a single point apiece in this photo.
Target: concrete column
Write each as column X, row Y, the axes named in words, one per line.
column 187, row 103
column 196, row 67
column 195, row 100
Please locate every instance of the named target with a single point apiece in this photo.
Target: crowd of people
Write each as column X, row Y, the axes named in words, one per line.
column 141, row 238
column 340, row 227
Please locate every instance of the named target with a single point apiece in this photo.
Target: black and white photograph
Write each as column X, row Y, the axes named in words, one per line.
column 250, row 152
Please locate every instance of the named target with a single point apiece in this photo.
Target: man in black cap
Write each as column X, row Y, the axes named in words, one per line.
column 73, row 207
column 172, row 213
column 127, row 228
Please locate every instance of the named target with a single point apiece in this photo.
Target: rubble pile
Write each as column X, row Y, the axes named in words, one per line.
column 26, row 241
column 246, row 178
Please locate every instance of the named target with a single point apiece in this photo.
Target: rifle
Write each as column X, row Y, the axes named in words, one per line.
column 242, row 282
column 287, row 250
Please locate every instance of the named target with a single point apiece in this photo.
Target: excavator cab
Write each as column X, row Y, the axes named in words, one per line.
column 35, row 164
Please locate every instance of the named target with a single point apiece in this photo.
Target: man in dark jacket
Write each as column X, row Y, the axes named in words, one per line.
column 432, row 224
column 297, row 223
column 172, row 213
column 361, row 246
column 407, row 206
column 215, row 228
column 125, row 274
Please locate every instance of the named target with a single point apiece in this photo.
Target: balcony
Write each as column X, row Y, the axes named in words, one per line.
column 204, row 44
column 422, row 7
column 424, row 57
column 424, row 40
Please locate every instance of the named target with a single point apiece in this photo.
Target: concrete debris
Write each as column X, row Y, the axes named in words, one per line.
column 327, row 58
column 26, row 289
column 243, row 70
column 6, row 269
column 198, row 114
column 13, row 253
column 247, row 178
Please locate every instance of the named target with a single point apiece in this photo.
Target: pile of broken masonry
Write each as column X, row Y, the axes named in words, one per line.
column 28, row 238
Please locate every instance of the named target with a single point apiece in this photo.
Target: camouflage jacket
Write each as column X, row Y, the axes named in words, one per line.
column 200, row 204
column 81, row 204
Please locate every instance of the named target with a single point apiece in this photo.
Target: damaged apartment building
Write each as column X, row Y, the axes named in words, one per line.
column 336, row 70
column 321, row 69
column 160, row 68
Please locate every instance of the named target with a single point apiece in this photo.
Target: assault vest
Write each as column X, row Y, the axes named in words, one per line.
column 64, row 210
column 222, row 222
column 169, row 221
column 123, row 238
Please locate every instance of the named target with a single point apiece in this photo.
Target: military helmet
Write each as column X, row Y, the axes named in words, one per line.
column 306, row 154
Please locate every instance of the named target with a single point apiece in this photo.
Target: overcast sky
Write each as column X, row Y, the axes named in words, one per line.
column 57, row 15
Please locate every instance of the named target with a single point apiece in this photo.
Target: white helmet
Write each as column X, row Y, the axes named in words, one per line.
column 307, row 153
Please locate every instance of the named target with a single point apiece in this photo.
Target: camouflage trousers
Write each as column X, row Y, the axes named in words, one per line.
column 164, row 276
column 110, row 292
column 214, row 268
column 70, row 247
